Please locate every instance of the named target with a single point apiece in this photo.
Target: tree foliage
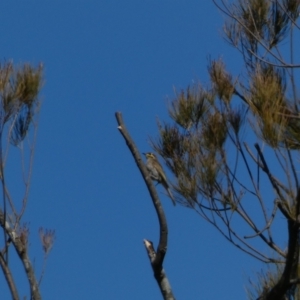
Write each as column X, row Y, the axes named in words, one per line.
column 19, row 108
column 233, row 144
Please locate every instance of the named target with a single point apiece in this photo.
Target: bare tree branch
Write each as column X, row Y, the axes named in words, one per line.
column 22, row 253
column 291, row 265
column 157, row 258
column 9, row 278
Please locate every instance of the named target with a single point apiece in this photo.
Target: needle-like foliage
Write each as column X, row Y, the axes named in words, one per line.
column 233, row 144
column 19, row 109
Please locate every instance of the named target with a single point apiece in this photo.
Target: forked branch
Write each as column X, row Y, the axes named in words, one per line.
column 21, row 249
column 157, row 258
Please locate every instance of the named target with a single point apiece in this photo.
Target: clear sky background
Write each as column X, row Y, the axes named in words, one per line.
column 101, row 57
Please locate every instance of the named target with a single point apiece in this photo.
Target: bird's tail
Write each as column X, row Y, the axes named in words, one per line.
column 171, row 196
column 166, row 186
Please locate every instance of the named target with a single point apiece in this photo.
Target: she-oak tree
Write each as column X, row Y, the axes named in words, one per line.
column 233, row 145
column 19, row 110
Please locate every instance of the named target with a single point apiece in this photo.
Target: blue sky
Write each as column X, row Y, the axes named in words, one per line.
column 99, row 58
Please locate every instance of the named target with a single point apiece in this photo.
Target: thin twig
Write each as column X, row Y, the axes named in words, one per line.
column 268, row 225
column 267, row 171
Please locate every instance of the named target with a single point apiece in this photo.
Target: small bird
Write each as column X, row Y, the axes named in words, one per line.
column 157, row 173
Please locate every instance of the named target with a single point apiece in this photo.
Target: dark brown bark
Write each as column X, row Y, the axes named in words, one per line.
column 289, row 274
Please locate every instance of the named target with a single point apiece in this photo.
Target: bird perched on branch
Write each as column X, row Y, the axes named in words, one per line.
column 157, row 173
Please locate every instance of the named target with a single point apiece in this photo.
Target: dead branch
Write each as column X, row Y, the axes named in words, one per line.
column 157, row 259
column 22, row 253
column 9, row 279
